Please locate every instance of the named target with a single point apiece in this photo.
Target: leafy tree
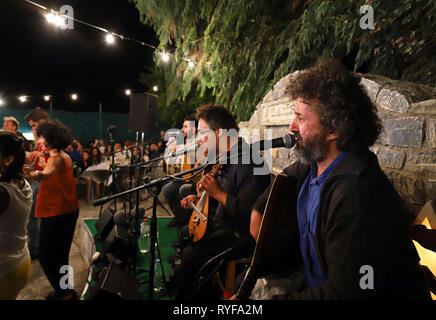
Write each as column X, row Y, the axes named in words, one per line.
column 241, row 48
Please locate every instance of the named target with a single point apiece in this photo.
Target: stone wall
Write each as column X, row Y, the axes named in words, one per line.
column 406, row 148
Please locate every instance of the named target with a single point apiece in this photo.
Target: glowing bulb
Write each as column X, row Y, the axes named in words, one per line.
column 46, row 98
column 110, row 39
column 155, row 88
column 59, row 21
column 1, row 102
column 50, row 17
column 191, row 64
column 165, row 57
column 74, row 96
column 128, row 92
column 22, row 98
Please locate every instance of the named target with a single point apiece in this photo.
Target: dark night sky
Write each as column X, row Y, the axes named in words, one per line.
column 38, row 58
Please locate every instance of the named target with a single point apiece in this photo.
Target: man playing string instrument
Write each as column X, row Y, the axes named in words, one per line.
column 352, row 225
column 232, row 193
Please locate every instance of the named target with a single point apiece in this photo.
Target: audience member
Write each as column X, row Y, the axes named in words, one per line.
column 15, row 206
column 36, row 160
column 73, row 152
column 57, row 206
column 11, row 124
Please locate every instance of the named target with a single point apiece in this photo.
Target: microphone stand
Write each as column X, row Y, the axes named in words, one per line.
column 155, row 189
column 156, row 185
column 172, row 154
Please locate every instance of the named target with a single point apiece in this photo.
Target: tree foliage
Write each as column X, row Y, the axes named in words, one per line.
column 241, row 48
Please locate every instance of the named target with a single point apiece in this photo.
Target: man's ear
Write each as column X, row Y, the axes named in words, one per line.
column 333, row 135
column 219, row 132
column 9, row 160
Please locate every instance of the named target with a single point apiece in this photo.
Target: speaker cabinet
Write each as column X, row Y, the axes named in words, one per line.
column 105, row 223
column 115, row 283
column 143, row 113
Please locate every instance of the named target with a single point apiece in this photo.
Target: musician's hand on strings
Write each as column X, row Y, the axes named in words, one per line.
column 210, row 184
column 191, row 198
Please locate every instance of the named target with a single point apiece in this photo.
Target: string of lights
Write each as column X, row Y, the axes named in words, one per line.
column 59, row 19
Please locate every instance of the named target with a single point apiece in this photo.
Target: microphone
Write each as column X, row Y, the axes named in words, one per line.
column 287, row 141
column 183, row 152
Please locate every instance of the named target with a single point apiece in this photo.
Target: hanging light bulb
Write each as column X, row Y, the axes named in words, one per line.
column 59, row 21
column 165, row 57
column 110, row 39
column 46, row 98
column 22, row 98
column 74, row 96
column 155, row 88
column 50, row 17
column 1, row 102
column 127, row 92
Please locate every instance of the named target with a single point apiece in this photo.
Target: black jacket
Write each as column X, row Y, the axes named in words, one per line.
column 360, row 222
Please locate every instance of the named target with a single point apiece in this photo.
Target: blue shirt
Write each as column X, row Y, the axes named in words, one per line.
column 307, row 211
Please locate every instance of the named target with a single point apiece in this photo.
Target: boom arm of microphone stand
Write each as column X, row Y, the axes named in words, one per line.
column 140, row 164
column 103, row 200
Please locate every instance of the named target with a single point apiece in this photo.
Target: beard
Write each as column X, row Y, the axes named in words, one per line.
column 312, row 149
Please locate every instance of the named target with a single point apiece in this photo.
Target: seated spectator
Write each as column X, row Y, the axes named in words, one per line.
column 153, row 151
column 85, row 160
column 73, row 152
column 79, row 146
column 96, row 157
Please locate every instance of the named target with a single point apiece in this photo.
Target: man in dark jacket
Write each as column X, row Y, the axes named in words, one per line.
column 231, row 191
column 352, row 227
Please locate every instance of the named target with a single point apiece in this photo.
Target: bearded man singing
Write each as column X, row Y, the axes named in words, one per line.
column 350, row 220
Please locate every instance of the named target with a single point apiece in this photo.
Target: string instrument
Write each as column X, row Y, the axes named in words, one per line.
column 199, row 216
column 177, row 167
column 277, row 244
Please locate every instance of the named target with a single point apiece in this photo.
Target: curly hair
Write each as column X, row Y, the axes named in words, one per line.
column 12, row 145
column 342, row 104
column 217, row 116
column 55, row 134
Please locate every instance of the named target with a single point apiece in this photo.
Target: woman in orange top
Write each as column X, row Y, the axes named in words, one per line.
column 57, row 206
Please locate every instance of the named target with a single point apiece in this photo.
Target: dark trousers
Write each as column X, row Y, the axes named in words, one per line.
column 195, row 255
column 55, row 240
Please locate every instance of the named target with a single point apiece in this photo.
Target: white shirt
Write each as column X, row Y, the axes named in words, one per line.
column 13, row 227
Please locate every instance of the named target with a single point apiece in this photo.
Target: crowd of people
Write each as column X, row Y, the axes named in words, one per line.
column 38, row 196
column 346, row 214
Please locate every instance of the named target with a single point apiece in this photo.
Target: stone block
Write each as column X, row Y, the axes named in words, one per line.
column 430, row 189
column 410, row 187
column 421, row 161
column 403, row 132
column 371, row 88
column 391, row 158
column 393, row 101
column 430, row 133
column 424, row 107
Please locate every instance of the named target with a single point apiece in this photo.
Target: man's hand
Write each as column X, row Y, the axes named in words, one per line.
column 209, row 184
column 191, row 198
column 31, row 157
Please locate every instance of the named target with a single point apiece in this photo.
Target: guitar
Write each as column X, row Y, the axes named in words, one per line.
column 278, row 234
column 199, row 217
